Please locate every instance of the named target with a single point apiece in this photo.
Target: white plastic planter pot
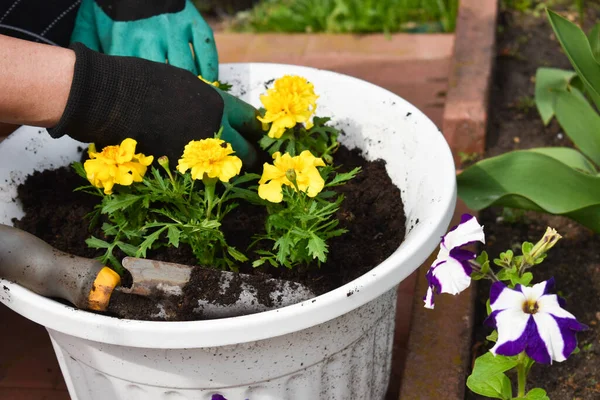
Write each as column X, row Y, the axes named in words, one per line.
column 332, row 347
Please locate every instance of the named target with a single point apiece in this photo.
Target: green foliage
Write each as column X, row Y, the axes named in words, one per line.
column 168, row 211
column 321, row 140
column 488, row 378
column 349, row 16
column 484, row 267
column 561, row 181
column 300, row 226
column 224, row 86
column 537, row 394
column 467, row 158
column 525, row 103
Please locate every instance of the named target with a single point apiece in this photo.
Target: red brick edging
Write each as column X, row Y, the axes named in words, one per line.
column 438, row 358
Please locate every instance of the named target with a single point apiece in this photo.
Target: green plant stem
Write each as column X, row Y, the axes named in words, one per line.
column 220, row 201
column 521, row 375
column 491, row 275
column 209, row 195
column 524, row 266
column 191, row 191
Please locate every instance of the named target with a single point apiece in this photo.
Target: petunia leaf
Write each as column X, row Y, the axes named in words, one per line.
column 537, row 394
column 524, row 280
column 488, row 378
column 532, row 180
column 484, row 263
column 526, row 247
column 578, row 49
column 493, row 337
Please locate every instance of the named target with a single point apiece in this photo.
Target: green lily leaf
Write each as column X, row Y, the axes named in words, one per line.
column 547, row 81
column 577, row 47
column 580, row 122
column 594, row 39
column 568, row 156
column 531, row 180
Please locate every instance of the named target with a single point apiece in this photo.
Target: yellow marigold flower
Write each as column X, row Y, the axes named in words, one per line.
column 215, row 83
column 292, row 100
column 211, row 157
column 304, row 167
column 116, row 165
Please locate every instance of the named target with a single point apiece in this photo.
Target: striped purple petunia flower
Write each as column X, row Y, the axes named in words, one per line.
column 531, row 319
column 451, row 271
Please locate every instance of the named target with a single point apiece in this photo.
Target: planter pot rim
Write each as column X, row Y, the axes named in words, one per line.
column 420, row 243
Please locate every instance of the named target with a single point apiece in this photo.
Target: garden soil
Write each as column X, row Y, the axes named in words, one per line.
column 372, row 212
column 526, row 42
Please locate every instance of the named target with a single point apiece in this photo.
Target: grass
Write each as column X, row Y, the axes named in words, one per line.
column 349, row 16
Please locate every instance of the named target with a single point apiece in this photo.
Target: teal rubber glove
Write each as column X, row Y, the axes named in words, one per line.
column 240, row 127
column 156, row 30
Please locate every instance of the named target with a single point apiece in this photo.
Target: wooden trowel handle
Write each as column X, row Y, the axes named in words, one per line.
column 34, row 264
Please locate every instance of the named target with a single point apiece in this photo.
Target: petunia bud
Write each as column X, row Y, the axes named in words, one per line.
column 547, row 241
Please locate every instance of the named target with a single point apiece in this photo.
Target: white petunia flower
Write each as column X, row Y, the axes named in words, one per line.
column 531, row 319
column 451, row 271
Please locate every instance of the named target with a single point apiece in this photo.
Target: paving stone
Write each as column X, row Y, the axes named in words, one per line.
column 33, row 394
column 28, row 359
column 439, row 350
column 465, row 117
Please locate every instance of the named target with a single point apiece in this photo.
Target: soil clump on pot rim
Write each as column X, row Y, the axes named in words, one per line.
column 372, row 212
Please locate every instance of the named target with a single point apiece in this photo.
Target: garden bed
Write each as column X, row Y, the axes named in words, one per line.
column 527, row 43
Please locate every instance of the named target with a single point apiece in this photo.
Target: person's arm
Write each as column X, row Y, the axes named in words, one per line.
column 94, row 97
column 35, row 81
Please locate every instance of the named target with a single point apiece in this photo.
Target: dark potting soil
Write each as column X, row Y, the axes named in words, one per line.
column 526, row 42
column 372, row 212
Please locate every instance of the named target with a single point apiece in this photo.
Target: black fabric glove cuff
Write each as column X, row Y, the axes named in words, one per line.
column 133, row 10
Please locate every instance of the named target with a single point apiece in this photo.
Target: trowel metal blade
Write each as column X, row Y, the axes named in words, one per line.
column 150, row 276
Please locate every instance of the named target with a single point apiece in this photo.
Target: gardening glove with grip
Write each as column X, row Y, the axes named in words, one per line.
column 156, row 30
column 240, row 126
column 160, row 106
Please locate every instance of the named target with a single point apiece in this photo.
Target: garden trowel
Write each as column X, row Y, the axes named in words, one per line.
column 88, row 284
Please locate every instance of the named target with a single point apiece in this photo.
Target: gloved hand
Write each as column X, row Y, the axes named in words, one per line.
column 157, row 30
column 160, row 106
